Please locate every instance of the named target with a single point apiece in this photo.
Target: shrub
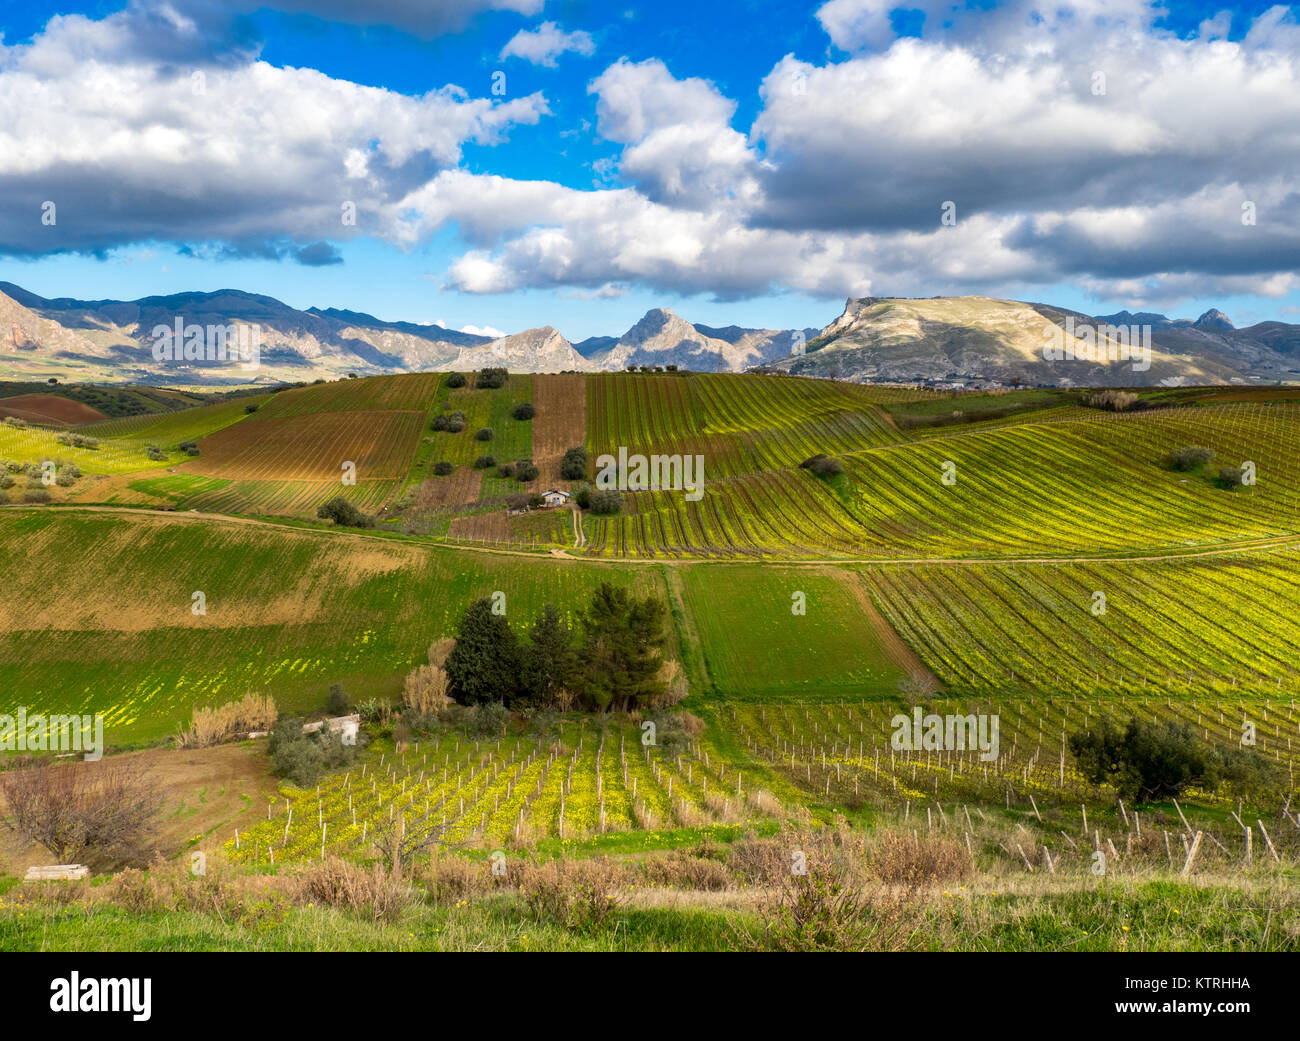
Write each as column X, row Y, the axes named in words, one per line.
column 524, row 410
column 371, row 710
column 344, row 514
column 36, row 495
column 580, row 895
column 485, row 462
column 916, row 861
column 484, row 434
column 250, row 409
column 6, row 481
column 1184, row 460
column 370, row 891
column 487, row 720
column 456, row 380
column 1155, row 760
column 155, row 453
column 582, row 496
column 294, row 755
column 440, row 649
column 304, row 758
column 1111, row 400
column 574, row 465
column 525, row 471
column 442, row 469
column 606, row 501
column 672, row 680
column 490, row 379
column 828, row 911
column 450, row 422
column 680, row 870
column 823, row 465
column 506, row 470
column 1229, row 477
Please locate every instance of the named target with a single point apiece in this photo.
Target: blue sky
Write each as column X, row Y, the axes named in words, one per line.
column 744, row 162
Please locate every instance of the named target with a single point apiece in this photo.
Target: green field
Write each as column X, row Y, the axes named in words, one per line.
column 755, row 646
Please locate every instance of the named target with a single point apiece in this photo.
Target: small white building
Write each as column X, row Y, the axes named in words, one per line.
column 555, row 497
column 347, row 726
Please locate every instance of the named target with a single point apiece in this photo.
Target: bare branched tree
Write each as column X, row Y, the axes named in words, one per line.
column 102, row 812
column 399, row 840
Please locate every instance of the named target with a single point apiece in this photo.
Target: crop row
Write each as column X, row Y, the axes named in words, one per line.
column 1198, row 624
column 509, row 791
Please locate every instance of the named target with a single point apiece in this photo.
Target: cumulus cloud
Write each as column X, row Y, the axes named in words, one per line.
column 543, row 45
column 128, row 151
column 483, row 330
column 679, row 145
column 1130, row 180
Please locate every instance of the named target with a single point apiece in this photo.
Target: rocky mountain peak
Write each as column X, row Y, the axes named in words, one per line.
column 1215, row 320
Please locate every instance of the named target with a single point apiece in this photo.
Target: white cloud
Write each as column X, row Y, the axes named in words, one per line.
column 548, row 41
column 859, row 25
column 680, row 147
column 244, row 153
column 483, row 330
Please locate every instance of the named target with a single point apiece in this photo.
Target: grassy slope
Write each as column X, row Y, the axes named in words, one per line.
column 288, row 612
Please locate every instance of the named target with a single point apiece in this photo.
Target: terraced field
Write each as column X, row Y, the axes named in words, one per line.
column 1057, row 481
column 780, row 513
column 1080, row 485
column 36, row 444
column 740, row 424
column 379, row 444
column 1226, row 624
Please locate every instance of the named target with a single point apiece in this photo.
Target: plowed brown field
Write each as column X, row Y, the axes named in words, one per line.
column 560, row 423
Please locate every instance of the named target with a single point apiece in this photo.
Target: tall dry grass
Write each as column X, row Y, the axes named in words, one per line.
column 426, row 689
column 212, row 725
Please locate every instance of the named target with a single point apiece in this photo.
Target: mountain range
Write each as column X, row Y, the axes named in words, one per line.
column 954, row 341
